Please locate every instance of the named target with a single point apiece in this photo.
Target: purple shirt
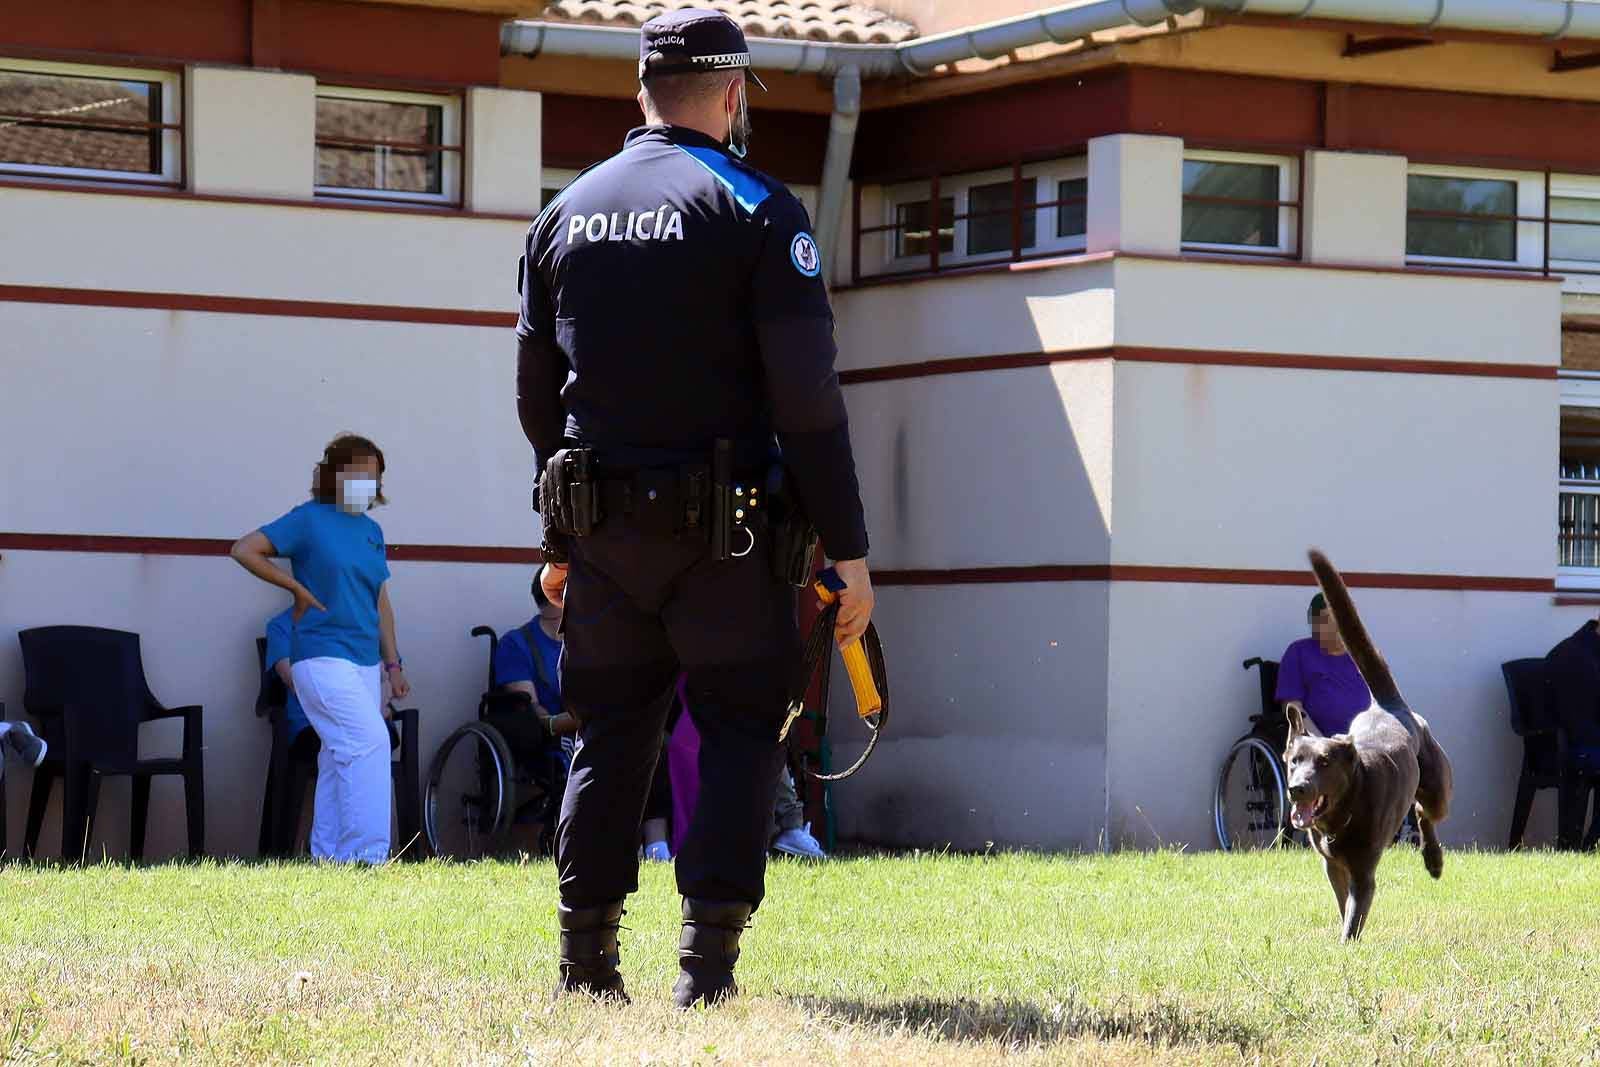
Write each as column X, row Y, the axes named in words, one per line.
column 1330, row 687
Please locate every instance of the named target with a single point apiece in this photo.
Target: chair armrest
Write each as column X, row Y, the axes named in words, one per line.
column 190, row 714
column 158, row 712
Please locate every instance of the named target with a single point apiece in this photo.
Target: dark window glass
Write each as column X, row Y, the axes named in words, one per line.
column 1072, row 220
column 989, row 216
column 913, row 222
column 1214, row 222
column 57, row 120
column 350, row 157
column 1461, row 238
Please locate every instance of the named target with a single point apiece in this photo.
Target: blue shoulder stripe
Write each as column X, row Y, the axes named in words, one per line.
column 746, row 188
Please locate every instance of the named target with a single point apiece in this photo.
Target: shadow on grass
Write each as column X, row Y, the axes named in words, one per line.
column 1160, row 1025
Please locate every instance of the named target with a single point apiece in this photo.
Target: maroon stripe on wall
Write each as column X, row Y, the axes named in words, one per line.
column 1127, row 572
column 116, row 544
column 1069, row 572
column 1194, row 357
column 406, row 43
column 237, row 305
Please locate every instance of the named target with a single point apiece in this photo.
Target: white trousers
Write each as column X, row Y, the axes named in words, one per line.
column 345, row 705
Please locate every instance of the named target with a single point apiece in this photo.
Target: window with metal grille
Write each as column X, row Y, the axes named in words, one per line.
column 377, row 144
column 1239, row 203
column 60, row 120
column 1020, row 212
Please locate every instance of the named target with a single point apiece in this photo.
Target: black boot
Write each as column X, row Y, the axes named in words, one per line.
column 589, row 953
column 708, row 949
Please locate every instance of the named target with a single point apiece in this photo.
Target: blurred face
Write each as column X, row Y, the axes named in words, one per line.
column 358, row 484
column 1325, row 630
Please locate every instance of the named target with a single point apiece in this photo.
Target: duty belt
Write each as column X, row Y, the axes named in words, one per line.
column 863, row 661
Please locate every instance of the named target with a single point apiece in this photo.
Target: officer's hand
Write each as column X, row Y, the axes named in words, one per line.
column 855, row 601
column 553, row 579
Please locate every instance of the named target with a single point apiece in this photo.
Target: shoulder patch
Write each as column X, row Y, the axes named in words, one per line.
column 748, row 190
column 804, row 255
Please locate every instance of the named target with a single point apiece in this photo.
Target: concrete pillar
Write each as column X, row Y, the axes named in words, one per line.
column 1355, row 207
column 250, row 132
column 1135, row 194
column 503, row 151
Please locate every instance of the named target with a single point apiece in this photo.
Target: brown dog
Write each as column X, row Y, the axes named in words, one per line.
column 1352, row 791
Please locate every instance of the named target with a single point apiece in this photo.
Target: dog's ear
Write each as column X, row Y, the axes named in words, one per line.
column 1297, row 719
column 1342, row 747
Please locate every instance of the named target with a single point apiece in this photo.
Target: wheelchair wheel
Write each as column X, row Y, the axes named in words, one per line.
column 1252, row 805
column 470, row 795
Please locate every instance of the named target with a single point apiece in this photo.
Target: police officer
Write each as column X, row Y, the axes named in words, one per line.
column 671, row 300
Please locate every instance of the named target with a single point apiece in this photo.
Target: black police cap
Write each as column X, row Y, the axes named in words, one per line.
column 692, row 39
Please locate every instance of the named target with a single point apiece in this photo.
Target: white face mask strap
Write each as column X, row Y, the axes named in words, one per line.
column 739, row 125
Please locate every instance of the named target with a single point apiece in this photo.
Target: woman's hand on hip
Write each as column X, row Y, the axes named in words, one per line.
column 304, row 601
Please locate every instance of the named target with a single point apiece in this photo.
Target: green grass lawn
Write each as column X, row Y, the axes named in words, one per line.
column 922, row 959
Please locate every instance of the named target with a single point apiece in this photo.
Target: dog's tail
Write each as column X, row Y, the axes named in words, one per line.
column 1368, row 659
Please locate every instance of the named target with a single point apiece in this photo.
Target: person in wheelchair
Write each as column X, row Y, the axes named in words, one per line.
column 525, row 662
column 529, row 713
column 1318, row 675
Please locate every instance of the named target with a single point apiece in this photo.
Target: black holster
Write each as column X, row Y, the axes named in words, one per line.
column 569, row 501
column 794, row 539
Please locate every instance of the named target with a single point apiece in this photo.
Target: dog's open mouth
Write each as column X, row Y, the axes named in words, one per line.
column 1306, row 812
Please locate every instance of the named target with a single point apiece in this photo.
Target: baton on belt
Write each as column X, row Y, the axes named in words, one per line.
column 863, row 663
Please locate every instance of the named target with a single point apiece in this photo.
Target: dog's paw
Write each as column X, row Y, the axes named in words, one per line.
column 1433, row 859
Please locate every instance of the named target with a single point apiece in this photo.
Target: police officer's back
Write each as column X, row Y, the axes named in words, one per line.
column 673, row 324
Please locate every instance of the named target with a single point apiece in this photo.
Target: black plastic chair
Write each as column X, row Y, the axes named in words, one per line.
column 292, row 768
column 1549, row 761
column 86, row 688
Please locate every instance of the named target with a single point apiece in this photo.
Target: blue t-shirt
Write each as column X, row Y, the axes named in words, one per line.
column 513, row 662
column 340, row 558
column 280, row 637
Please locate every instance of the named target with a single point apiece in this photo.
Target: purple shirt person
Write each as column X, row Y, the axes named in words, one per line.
column 1318, row 674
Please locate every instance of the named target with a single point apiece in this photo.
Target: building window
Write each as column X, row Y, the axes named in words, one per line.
column 1237, row 203
column 551, row 182
column 914, row 224
column 1016, row 212
column 1072, row 208
column 1475, row 217
column 100, row 123
column 1578, row 493
column 388, row 145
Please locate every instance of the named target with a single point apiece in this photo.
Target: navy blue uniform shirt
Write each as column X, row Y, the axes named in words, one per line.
column 671, row 296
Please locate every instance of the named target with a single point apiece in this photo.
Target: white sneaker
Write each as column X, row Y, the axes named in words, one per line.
column 799, row 842
column 657, row 852
column 27, row 744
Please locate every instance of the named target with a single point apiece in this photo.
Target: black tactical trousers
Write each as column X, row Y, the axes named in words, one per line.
column 639, row 609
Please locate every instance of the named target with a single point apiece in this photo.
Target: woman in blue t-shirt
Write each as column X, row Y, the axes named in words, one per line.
column 343, row 629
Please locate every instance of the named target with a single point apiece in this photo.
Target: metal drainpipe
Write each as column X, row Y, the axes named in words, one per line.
column 836, row 164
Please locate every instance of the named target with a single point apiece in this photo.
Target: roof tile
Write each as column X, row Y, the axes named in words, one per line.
column 812, row 20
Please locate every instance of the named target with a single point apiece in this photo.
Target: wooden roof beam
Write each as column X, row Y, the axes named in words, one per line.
column 1355, row 47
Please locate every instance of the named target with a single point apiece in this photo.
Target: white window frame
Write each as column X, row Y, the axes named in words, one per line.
column 557, row 178
column 1579, row 389
column 1288, row 188
column 449, row 133
column 1045, row 177
column 1530, row 204
column 171, row 113
column 1574, row 187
